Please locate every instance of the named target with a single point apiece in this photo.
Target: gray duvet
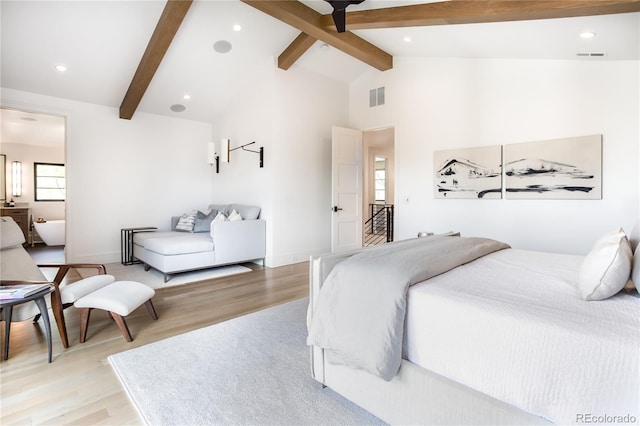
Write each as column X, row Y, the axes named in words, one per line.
column 359, row 312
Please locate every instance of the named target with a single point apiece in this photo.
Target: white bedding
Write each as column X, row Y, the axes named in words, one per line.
column 359, row 313
column 513, row 325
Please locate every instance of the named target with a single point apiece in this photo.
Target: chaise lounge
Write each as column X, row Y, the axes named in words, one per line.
column 210, row 243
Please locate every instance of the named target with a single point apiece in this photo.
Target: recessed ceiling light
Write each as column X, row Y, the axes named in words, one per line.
column 587, row 34
column 177, row 108
column 237, row 27
column 222, row 46
column 61, row 68
column 187, row 96
column 407, row 39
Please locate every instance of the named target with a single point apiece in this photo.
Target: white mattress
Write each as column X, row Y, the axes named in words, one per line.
column 512, row 325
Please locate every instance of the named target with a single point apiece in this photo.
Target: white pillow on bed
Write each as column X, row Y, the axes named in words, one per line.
column 606, row 268
column 635, row 269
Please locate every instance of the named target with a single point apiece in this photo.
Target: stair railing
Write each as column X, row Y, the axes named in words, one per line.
column 379, row 226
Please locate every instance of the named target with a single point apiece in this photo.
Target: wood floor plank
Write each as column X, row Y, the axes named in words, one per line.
column 80, row 388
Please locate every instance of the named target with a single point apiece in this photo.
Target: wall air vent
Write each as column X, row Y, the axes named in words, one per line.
column 376, row 97
column 591, row 54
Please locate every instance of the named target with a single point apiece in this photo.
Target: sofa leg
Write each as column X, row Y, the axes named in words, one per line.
column 146, row 267
column 167, row 277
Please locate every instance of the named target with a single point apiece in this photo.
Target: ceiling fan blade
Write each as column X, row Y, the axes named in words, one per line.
column 339, row 12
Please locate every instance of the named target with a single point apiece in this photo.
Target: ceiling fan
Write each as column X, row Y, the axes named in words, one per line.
column 339, row 12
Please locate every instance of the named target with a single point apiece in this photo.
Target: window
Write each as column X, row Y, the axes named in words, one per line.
column 49, row 182
column 380, row 179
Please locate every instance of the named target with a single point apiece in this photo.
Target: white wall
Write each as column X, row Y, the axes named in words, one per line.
column 308, row 106
column 440, row 104
column 140, row 172
column 290, row 114
column 123, row 173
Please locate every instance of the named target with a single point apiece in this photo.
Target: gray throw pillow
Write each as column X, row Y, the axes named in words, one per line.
column 203, row 221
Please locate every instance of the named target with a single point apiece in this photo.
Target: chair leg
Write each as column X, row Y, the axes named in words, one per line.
column 56, row 307
column 122, row 325
column 151, row 309
column 85, row 313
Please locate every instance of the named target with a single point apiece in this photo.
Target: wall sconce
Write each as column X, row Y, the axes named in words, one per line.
column 225, row 151
column 213, row 157
column 16, row 178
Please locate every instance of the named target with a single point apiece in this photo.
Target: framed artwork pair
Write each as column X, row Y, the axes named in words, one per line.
column 568, row 169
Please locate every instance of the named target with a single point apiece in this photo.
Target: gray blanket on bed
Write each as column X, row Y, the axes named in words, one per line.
column 360, row 309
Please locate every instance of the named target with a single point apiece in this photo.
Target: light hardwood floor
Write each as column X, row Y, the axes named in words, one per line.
column 79, row 387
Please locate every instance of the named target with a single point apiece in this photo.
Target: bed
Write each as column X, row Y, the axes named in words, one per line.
column 505, row 338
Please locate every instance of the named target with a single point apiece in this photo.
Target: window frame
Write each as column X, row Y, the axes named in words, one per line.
column 377, row 181
column 36, row 188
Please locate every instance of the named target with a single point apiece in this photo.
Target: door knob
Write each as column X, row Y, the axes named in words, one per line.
column 336, row 208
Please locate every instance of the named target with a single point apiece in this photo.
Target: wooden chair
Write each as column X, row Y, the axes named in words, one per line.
column 17, row 267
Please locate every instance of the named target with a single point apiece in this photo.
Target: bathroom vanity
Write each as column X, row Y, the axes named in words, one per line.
column 22, row 216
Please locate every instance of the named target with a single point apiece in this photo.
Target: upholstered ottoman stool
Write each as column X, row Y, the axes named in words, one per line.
column 119, row 298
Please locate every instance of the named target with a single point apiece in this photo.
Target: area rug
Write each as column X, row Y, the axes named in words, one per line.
column 251, row 370
column 155, row 279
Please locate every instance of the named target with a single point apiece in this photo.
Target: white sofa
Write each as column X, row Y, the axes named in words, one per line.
column 225, row 243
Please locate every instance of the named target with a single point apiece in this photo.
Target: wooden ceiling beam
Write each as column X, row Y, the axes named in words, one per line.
column 167, row 27
column 307, row 20
column 480, row 11
column 295, row 50
column 429, row 14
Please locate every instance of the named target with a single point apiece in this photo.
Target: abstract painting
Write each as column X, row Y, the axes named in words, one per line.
column 468, row 173
column 556, row 169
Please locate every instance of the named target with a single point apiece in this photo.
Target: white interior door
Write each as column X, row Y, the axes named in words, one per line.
column 346, row 182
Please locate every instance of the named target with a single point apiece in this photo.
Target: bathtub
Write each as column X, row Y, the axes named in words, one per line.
column 51, row 232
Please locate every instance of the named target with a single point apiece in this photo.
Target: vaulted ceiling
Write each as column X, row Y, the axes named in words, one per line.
column 145, row 56
column 315, row 26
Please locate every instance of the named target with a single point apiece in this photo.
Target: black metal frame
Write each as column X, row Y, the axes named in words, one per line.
column 380, row 223
column 126, row 243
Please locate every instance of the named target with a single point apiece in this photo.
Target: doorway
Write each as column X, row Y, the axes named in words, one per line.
column 31, row 139
column 357, row 156
column 379, row 185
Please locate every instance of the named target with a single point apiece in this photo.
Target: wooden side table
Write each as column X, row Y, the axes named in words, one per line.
column 7, row 305
column 126, row 243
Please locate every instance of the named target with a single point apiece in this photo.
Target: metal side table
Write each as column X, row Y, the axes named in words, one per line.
column 7, row 307
column 126, row 243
